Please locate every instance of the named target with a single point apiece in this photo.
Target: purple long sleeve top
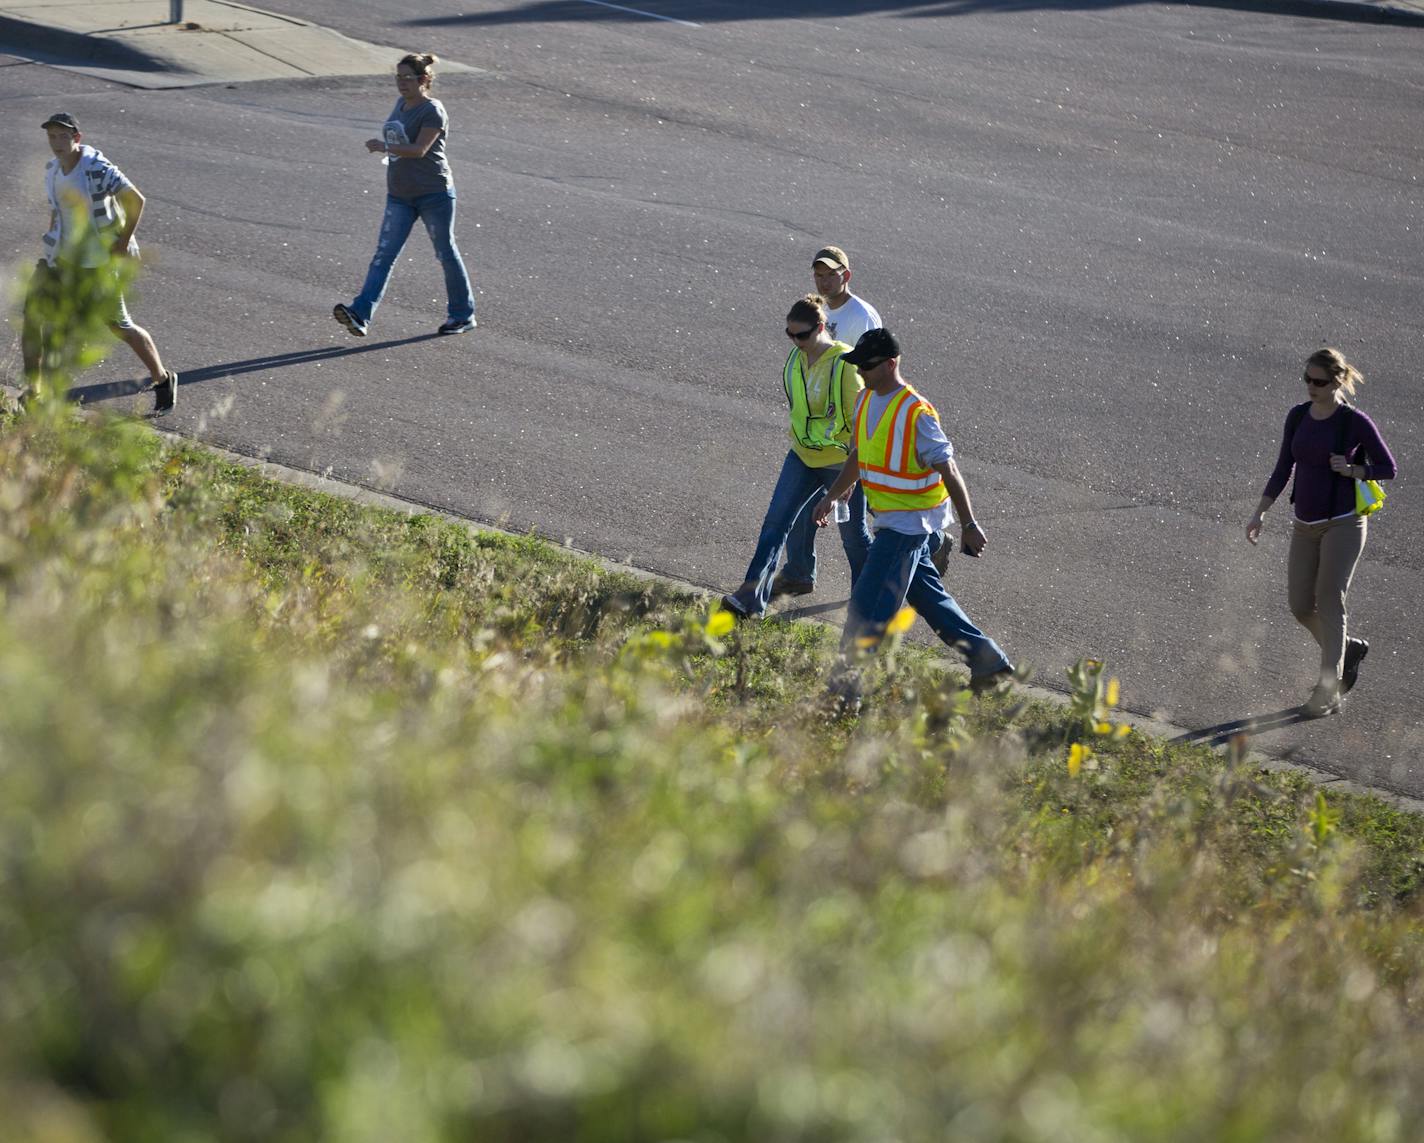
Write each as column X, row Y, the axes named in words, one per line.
column 1319, row 494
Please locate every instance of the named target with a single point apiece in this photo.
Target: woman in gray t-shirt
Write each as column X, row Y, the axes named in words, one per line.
column 418, row 186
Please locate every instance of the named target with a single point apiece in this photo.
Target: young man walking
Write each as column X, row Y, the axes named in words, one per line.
column 847, row 317
column 94, row 211
column 905, row 465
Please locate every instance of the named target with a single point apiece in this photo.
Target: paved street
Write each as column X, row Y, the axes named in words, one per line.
column 1106, row 235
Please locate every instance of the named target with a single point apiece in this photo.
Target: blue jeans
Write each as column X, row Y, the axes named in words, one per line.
column 797, row 491
column 898, row 571
column 800, row 566
column 437, row 211
column 801, row 549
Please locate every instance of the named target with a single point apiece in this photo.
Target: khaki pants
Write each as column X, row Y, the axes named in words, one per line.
column 1318, row 572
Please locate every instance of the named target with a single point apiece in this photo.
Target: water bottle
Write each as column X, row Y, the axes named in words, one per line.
column 842, row 512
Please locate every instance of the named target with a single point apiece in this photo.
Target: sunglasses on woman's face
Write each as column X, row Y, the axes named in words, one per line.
column 1321, row 381
column 801, row 334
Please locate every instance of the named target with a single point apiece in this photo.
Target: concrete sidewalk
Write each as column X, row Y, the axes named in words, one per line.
column 130, row 42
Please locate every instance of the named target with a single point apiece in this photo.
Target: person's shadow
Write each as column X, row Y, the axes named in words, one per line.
column 806, row 610
column 89, row 394
column 1224, row 732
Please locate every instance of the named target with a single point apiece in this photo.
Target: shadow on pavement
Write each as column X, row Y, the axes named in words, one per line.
column 1223, row 732
column 87, row 394
column 809, row 610
column 48, row 44
column 726, row 11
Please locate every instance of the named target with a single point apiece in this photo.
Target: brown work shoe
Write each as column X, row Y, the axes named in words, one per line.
column 783, row 586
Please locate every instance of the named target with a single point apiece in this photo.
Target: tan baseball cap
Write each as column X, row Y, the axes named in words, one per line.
column 832, row 256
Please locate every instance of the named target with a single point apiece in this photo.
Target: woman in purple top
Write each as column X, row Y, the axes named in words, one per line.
column 1330, row 444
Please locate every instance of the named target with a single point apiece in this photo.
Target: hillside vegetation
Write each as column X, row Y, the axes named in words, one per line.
column 322, row 822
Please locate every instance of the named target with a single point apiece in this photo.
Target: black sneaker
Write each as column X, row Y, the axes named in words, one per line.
column 464, row 325
column 734, row 608
column 783, row 586
column 844, row 695
column 165, row 394
column 992, row 681
column 342, row 314
column 1355, row 652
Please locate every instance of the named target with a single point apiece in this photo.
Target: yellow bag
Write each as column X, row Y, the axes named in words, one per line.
column 1369, row 497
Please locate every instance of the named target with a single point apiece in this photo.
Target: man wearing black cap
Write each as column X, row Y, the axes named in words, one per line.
column 94, row 211
column 905, row 465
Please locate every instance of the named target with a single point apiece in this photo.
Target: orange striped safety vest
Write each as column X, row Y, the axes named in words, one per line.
column 891, row 474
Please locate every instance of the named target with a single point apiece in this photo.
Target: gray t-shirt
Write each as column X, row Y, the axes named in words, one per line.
column 411, row 178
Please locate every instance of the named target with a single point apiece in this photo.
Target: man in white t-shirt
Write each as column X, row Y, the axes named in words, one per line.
column 847, row 317
column 94, row 210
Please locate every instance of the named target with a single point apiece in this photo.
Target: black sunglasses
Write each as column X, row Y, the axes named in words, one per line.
column 867, row 366
column 1309, row 380
column 802, row 334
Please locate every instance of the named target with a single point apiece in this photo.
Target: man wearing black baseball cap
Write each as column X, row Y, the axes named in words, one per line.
column 905, row 465
column 94, row 211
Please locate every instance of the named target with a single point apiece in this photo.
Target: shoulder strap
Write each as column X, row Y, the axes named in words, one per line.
column 1342, row 428
column 786, row 376
column 833, row 396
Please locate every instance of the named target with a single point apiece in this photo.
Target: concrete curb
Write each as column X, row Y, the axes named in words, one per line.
column 371, row 497
column 360, row 494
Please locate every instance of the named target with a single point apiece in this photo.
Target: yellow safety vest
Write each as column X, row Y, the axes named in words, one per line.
column 891, row 474
column 816, row 429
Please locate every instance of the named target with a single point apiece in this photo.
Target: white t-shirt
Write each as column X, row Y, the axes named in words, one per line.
column 851, row 320
column 83, row 211
column 932, row 447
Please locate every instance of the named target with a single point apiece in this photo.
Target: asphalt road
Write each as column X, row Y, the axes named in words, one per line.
column 1107, row 237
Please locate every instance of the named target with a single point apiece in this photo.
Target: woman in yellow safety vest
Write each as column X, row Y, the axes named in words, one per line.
column 821, row 388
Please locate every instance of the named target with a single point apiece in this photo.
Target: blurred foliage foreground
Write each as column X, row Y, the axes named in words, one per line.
column 318, row 822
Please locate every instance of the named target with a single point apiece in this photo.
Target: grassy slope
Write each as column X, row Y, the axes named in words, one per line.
column 322, row 822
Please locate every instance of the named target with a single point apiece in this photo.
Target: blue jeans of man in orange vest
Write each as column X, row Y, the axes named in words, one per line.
column 897, row 572
column 798, row 489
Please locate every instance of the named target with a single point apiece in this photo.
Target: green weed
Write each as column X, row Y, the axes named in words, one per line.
column 324, row 822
